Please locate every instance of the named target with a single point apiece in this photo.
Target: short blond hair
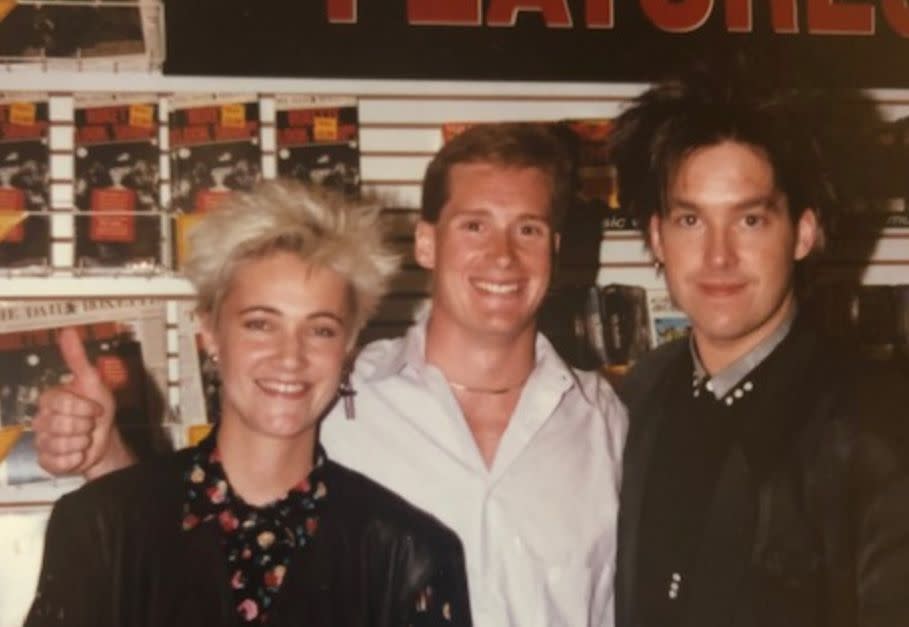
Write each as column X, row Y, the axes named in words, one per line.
column 322, row 226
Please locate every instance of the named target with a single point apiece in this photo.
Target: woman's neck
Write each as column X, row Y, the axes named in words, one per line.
column 262, row 469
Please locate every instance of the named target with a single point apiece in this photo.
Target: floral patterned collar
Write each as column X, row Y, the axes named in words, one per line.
column 258, row 542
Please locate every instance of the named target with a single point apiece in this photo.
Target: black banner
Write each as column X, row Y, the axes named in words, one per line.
column 851, row 43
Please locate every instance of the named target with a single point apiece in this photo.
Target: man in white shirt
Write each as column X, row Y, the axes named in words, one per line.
column 471, row 416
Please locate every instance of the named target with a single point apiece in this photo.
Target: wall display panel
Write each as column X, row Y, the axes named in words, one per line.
column 399, row 131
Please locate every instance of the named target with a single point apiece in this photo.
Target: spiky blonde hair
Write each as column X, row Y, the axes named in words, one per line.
column 323, row 227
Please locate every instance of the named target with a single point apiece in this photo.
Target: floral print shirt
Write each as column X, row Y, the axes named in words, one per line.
column 259, row 542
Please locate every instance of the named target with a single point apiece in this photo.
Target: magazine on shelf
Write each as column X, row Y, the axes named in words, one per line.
column 117, row 179
column 214, row 150
column 124, row 339
column 75, row 34
column 24, row 183
column 318, row 140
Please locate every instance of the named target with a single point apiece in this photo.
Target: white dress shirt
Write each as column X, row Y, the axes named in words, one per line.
column 539, row 526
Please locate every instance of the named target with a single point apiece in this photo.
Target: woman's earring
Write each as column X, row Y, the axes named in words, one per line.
column 347, row 393
column 658, row 267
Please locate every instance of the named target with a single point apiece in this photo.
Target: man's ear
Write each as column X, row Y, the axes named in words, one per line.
column 656, row 242
column 809, row 235
column 424, row 244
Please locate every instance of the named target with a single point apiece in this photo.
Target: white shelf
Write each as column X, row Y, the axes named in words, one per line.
column 86, row 286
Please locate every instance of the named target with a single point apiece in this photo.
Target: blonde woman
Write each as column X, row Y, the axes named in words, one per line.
column 256, row 525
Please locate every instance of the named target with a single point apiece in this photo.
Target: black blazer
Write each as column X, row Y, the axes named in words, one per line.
column 115, row 556
column 809, row 524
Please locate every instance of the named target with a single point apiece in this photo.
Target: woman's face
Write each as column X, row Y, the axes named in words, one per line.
column 281, row 338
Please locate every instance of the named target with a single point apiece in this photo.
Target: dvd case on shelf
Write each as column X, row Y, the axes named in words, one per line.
column 318, row 140
column 24, row 183
column 214, row 150
column 117, row 183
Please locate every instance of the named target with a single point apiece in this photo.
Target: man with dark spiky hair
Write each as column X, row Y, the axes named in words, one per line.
column 765, row 476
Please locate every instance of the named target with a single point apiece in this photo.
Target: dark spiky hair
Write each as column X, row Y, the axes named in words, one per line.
column 726, row 101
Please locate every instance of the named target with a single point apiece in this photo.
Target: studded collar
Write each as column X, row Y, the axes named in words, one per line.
column 733, row 382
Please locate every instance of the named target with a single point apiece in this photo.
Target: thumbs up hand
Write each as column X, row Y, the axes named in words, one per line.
column 74, row 425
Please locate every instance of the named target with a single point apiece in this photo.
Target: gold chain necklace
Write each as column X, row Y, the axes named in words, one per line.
column 468, row 388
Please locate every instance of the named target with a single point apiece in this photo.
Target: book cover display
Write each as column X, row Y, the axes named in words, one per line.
column 117, row 183
column 214, row 150
column 318, row 140
column 24, row 183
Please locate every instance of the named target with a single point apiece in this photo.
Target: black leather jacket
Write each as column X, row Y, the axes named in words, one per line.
column 115, row 556
column 809, row 524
